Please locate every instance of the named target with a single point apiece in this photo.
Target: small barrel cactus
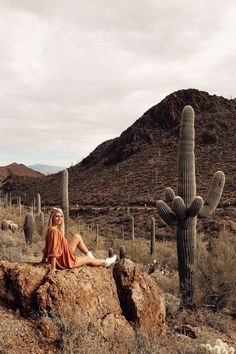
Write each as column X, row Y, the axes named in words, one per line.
column 122, row 252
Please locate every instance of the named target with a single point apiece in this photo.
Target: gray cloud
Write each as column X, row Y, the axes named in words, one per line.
column 76, row 73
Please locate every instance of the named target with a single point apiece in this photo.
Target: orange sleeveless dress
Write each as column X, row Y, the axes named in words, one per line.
column 57, row 246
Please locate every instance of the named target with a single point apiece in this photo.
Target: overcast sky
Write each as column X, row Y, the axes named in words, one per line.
column 75, row 73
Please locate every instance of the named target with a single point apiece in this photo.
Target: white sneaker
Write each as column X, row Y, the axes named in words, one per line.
column 110, row 261
column 90, row 255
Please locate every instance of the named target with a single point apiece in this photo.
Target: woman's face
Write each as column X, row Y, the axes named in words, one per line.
column 57, row 219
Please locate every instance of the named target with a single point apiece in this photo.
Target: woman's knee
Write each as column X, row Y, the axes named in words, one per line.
column 78, row 237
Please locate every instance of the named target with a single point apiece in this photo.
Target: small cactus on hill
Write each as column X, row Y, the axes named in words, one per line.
column 186, row 206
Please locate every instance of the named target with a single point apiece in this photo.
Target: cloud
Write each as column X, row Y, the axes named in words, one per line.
column 76, row 73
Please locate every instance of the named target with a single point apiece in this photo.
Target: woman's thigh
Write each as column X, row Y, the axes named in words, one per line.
column 73, row 242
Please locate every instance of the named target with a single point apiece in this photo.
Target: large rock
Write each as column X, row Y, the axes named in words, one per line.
column 86, row 300
column 141, row 299
column 19, row 283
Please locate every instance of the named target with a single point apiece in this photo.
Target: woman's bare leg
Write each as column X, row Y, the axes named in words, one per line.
column 77, row 241
column 89, row 261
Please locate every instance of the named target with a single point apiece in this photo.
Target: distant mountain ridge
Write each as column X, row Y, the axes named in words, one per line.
column 15, row 169
column 46, row 169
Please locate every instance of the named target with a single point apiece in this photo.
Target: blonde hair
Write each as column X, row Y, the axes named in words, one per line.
column 54, row 211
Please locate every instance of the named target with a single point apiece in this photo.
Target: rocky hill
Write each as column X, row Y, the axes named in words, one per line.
column 15, row 169
column 135, row 168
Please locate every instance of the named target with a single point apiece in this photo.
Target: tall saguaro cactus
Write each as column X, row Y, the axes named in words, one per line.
column 38, row 210
column 65, row 199
column 186, row 206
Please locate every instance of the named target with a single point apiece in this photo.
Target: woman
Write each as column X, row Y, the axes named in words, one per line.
column 59, row 251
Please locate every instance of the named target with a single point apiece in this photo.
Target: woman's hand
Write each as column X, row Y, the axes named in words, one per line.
column 52, row 267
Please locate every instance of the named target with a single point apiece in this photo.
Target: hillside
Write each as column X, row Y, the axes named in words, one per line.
column 136, row 167
column 15, row 169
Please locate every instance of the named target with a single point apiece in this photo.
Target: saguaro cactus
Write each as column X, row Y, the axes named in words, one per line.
column 132, row 227
column 5, row 225
column 65, row 199
column 38, row 209
column 186, row 206
column 39, row 220
column 153, row 236
column 19, row 205
column 28, row 228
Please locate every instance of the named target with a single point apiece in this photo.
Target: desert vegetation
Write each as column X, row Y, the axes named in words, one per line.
column 214, row 299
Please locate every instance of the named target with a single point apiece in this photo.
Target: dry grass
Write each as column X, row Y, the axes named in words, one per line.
column 77, row 337
column 216, row 273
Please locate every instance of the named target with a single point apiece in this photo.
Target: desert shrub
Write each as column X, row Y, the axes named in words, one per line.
column 217, row 320
column 168, row 282
column 78, row 336
column 209, row 137
column 13, row 247
column 139, row 251
column 75, row 336
column 173, row 343
column 216, row 273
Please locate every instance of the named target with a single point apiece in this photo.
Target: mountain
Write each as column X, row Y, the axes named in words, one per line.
column 46, row 169
column 135, row 167
column 15, row 169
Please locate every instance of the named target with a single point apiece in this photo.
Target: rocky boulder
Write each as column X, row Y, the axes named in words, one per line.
column 89, row 298
column 141, row 300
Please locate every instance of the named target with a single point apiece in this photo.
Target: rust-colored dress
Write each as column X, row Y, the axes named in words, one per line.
column 57, row 246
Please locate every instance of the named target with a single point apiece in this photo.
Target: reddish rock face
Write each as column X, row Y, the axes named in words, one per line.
column 88, row 297
column 141, row 299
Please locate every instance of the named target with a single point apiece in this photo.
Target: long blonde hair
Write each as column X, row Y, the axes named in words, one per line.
column 50, row 223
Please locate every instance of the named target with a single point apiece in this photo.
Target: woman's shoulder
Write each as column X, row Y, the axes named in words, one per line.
column 53, row 230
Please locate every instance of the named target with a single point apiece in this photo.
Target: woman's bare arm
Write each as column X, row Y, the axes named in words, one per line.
column 53, row 265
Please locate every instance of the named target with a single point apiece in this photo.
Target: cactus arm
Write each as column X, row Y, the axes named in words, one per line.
column 179, row 207
column 166, row 213
column 169, row 195
column 195, row 207
column 214, row 194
